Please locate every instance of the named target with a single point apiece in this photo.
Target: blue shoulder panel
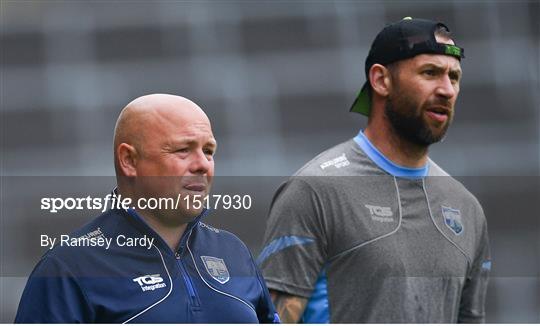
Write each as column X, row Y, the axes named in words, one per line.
column 280, row 244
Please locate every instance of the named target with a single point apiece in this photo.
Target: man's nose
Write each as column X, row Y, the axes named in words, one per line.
column 200, row 164
column 446, row 88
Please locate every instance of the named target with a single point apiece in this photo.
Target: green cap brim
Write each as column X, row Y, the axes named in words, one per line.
column 361, row 104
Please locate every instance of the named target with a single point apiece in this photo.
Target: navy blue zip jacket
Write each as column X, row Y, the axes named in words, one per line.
column 211, row 278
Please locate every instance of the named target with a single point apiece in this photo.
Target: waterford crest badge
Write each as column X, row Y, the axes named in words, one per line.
column 216, row 268
column 452, row 219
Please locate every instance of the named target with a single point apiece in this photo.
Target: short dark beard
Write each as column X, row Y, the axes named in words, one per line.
column 407, row 121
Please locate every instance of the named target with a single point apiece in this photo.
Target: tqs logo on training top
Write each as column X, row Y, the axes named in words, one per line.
column 150, row 282
column 380, row 213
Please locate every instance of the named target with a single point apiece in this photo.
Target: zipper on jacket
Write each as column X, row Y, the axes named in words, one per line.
column 187, row 281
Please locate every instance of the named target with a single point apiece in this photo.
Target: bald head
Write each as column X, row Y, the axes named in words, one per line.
column 164, row 148
column 155, row 118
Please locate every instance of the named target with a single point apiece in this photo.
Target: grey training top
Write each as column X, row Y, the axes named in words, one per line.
column 369, row 241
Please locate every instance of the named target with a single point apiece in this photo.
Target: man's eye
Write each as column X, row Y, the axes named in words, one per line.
column 454, row 78
column 209, row 152
column 429, row 72
column 182, row 150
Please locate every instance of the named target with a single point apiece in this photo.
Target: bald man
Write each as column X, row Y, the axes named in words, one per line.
column 180, row 270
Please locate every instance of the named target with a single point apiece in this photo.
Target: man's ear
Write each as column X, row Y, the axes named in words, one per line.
column 381, row 82
column 127, row 159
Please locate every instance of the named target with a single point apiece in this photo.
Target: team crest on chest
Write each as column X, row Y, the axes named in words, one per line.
column 216, row 268
column 452, row 219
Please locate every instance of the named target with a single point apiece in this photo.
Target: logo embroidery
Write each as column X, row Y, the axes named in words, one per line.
column 150, row 282
column 452, row 219
column 380, row 214
column 211, row 228
column 216, row 268
column 338, row 162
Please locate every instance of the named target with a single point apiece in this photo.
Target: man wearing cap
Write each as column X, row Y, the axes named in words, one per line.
column 372, row 230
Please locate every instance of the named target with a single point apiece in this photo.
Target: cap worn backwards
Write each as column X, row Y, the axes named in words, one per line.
column 402, row 40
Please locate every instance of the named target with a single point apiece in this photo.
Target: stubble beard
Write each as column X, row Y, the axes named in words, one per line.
column 407, row 120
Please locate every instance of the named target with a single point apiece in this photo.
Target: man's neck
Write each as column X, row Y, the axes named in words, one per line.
column 395, row 148
column 171, row 234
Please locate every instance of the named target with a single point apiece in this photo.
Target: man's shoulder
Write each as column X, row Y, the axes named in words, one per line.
column 343, row 159
column 110, row 220
column 343, row 164
column 445, row 183
column 70, row 248
column 450, row 182
column 435, row 170
column 221, row 240
column 221, row 245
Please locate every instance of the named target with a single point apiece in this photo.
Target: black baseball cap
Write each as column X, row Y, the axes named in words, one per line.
column 398, row 41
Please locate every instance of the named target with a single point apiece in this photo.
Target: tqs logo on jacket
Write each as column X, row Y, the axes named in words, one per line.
column 150, row 282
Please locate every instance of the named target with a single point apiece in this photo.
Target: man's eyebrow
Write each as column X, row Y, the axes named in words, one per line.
column 431, row 65
column 212, row 142
column 456, row 71
column 440, row 67
column 192, row 140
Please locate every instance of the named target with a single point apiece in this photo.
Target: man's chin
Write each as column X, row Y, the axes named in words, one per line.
column 432, row 138
column 438, row 133
column 431, row 133
column 192, row 213
column 178, row 217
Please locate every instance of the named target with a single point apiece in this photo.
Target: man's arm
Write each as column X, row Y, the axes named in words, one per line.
column 290, row 308
column 295, row 247
column 53, row 295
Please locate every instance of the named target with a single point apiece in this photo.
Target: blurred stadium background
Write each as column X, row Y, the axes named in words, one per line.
column 276, row 79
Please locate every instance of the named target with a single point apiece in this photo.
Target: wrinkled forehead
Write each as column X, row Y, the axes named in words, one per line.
column 183, row 123
column 440, row 61
column 175, row 125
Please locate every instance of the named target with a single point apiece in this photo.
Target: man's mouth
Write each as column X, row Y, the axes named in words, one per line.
column 196, row 187
column 438, row 113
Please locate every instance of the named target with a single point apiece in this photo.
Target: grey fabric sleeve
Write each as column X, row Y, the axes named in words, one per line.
column 473, row 297
column 294, row 249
